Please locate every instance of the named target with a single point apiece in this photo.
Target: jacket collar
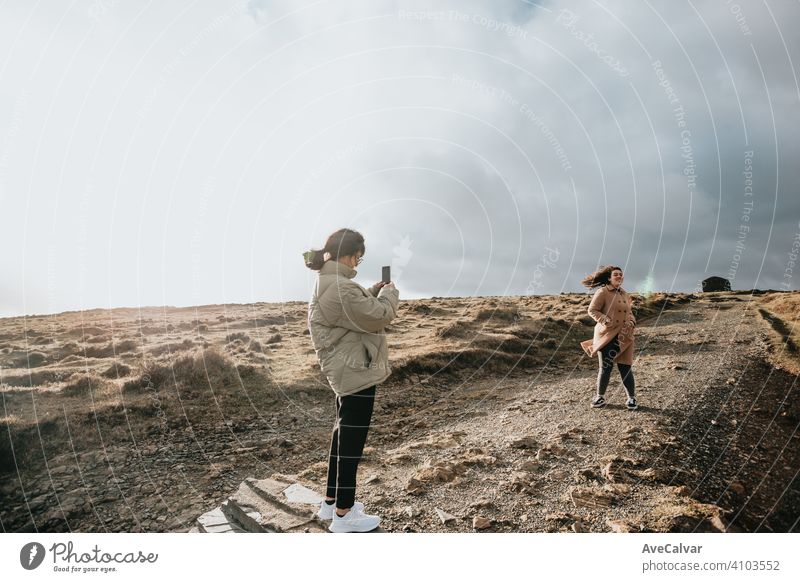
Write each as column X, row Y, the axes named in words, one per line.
column 332, row 267
column 611, row 288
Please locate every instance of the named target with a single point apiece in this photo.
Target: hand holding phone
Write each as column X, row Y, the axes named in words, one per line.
column 386, row 274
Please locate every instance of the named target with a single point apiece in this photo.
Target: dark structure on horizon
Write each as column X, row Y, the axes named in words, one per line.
column 716, row 284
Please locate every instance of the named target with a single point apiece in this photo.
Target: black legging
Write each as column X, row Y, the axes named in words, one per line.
column 353, row 414
column 606, row 358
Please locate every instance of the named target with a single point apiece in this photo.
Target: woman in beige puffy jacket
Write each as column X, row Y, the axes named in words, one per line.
column 346, row 322
column 611, row 308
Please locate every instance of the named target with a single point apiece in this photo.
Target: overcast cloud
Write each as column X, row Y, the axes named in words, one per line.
column 188, row 153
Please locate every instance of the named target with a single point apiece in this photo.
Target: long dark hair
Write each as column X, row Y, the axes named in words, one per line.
column 342, row 243
column 601, row 276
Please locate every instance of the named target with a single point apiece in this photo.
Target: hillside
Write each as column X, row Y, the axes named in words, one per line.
column 142, row 420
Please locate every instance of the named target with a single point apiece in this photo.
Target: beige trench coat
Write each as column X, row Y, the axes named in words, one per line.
column 611, row 309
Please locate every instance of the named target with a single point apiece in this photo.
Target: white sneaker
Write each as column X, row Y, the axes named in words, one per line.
column 326, row 511
column 354, row 521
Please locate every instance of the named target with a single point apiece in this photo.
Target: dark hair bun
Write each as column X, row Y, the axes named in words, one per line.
column 314, row 259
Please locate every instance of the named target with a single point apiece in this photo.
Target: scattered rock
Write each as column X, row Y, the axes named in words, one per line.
column 737, row 487
column 414, row 487
column 521, row 482
column 617, row 469
column 434, row 441
column 411, row 511
column 717, row 523
column 591, row 497
column 560, row 517
column 527, row 442
column 556, row 449
column 551, row 450
column 444, row 517
column 619, row 526
column 480, row 522
column 683, row 514
column 438, row 472
column 476, row 456
column 526, row 465
column 586, row 474
column 399, row 459
column 617, row 488
column 481, row 504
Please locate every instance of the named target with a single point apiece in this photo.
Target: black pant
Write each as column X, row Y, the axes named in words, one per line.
column 606, row 358
column 353, row 413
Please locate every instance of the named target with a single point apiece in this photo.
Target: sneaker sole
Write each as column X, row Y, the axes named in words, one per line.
column 599, row 405
column 326, row 518
column 330, row 529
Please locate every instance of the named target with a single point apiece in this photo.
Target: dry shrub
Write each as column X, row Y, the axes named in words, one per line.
column 169, row 348
column 83, row 384
column 558, row 321
column 117, row 370
column 81, row 332
column 148, row 330
column 32, row 360
column 111, row 349
column 68, row 349
column 23, row 442
column 646, row 306
column 237, row 336
column 455, row 329
column 198, row 370
column 271, row 320
column 33, row 378
column 508, row 345
column 471, row 359
column 498, row 314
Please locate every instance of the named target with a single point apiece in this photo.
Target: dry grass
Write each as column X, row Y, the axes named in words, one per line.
column 207, row 368
column 782, row 312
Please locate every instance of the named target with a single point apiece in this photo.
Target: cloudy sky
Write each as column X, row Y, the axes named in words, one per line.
column 187, row 153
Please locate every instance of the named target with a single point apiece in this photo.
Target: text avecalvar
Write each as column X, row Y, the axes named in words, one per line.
column 671, row 549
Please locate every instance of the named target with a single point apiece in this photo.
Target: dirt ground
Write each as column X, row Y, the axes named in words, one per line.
column 141, row 420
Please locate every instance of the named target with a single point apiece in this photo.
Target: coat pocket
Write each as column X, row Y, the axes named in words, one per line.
column 355, row 355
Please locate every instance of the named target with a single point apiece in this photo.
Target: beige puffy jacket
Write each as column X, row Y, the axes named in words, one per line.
column 346, row 323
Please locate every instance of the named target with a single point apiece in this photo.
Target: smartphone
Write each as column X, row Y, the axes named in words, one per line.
column 386, row 274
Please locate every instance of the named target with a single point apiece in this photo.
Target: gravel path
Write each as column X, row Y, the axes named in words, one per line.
column 716, row 424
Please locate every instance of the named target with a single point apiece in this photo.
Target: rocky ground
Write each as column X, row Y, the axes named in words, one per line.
column 126, row 420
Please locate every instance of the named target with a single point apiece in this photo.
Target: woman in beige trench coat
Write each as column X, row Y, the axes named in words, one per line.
column 613, row 332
